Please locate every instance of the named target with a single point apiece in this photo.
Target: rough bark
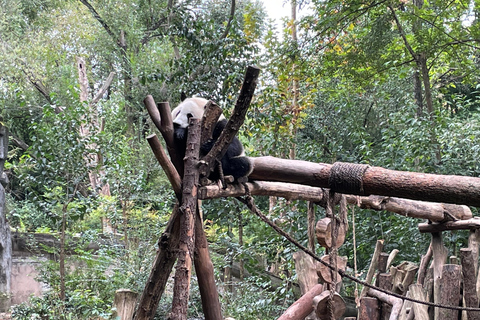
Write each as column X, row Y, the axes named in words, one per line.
column 375, row 180
column 369, row 309
column 205, row 274
column 234, row 123
column 439, row 258
column 396, row 303
column 450, row 291
column 183, row 272
column 471, row 224
column 420, row 310
column 290, row 191
column 161, row 116
column 166, row 164
column 125, row 301
column 469, row 283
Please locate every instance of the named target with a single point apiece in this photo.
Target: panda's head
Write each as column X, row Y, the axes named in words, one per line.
column 189, row 108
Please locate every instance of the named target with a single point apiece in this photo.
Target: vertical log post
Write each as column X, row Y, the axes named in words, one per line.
column 450, row 291
column 420, row 310
column 470, row 298
column 369, row 309
column 183, row 272
column 439, row 258
column 205, row 273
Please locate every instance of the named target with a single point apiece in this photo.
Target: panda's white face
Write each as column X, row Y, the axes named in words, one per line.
column 189, row 108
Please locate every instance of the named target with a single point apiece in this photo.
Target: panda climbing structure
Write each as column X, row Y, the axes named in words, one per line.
column 234, row 162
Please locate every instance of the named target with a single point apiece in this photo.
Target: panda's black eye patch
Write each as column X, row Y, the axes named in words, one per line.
column 189, row 115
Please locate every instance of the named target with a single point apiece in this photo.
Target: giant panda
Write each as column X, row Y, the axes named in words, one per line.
column 234, row 162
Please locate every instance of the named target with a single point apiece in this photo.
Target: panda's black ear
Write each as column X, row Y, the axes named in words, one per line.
column 183, row 96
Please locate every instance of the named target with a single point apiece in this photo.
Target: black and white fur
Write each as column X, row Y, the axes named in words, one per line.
column 234, row 162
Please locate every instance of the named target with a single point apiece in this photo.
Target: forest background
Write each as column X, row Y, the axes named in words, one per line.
column 390, row 83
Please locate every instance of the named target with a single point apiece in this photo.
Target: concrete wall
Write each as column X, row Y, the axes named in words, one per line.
column 23, row 279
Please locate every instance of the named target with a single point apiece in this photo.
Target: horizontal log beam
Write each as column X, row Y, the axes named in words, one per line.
column 291, row 191
column 365, row 180
column 471, row 224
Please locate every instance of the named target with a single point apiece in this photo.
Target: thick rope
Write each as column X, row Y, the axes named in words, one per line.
column 347, row 177
column 248, row 201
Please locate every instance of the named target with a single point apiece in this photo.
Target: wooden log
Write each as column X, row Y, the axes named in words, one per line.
column 161, row 116
column 369, row 309
column 311, row 226
column 397, row 280
column 373, row 265
column 323, row 232
column 469, row 224
column 291, row 191
column 396, row 303
column 303, row 306
column 382, row 262
column 391, row 257
column 384, row 281
column 420, row 310
column 325, row 273
column 470, row 297
column 450, row 291
column 439, row 258
column 166, row 164
column 183, row 272
column 428, row 286
column 375, row 180
column 407, row 311
column 306, row 271
column 209, row 120
column 234, row 123
column 205, row 273
column 321, row 302
column 125, row 301
column 162, row 266
column 410, row 272
column 424, row 265
column 473, row 243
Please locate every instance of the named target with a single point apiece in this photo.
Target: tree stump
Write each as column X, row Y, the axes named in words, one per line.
column 125, row 301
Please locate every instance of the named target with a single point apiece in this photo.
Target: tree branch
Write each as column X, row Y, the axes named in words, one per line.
column 104, row 88
column 403, row 35
column 229, row 23
column 97, row 16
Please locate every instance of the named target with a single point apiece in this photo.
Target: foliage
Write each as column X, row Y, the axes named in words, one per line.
column 344, row 90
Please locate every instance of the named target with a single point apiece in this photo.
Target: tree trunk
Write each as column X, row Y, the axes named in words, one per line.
column 5, row 234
